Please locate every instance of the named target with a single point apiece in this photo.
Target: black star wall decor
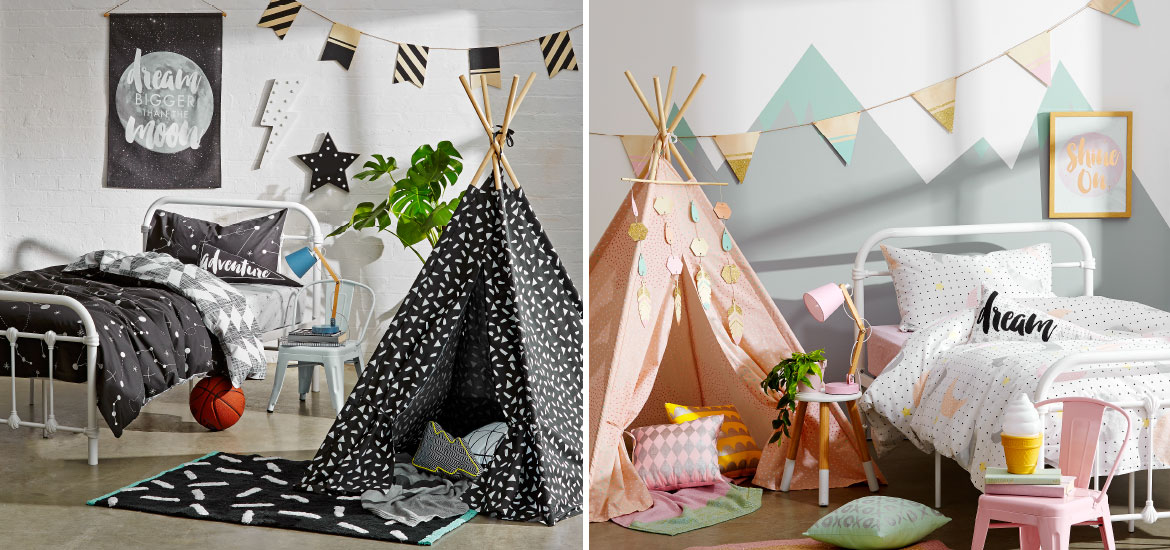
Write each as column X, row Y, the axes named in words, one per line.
column 328, row 165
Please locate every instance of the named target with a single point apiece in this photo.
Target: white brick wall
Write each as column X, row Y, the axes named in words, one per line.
column 53, row 96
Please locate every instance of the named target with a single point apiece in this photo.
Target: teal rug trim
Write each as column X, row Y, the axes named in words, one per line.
column 431, row 538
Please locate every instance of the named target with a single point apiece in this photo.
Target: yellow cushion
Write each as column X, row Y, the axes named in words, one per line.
column 738, row 453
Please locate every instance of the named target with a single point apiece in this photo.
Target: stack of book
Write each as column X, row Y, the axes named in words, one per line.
column 1042, row 483
column 306, row 337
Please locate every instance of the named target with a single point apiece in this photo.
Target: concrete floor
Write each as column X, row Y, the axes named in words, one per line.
column 44, row 483
column 910, row 473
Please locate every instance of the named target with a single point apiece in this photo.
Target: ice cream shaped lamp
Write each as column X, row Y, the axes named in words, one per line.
column 821, row 302
column 1021, row 435
column 300, row 262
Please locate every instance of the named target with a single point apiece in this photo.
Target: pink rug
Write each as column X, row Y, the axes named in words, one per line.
column 805, row 544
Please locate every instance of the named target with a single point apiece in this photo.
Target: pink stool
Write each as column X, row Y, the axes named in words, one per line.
column 1044, row 523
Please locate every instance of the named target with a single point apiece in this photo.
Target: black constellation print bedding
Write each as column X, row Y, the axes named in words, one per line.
column 152, row 337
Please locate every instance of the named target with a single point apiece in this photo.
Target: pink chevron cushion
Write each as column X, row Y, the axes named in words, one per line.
column 676, row 456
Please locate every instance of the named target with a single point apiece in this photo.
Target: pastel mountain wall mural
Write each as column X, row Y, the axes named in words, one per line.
column 802, row 213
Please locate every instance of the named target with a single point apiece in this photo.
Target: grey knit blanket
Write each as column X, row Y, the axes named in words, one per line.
column 416, row 496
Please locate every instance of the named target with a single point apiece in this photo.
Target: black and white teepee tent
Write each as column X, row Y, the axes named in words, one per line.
column 490, row 331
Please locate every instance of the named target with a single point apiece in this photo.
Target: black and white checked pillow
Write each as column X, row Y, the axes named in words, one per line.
column 482, row 441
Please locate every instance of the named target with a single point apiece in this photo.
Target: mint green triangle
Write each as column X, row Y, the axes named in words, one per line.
column 1128, row 12
column 981, row 147
column 812, row 91
column 683, row 129
column 845, row 149
column 1063, row 94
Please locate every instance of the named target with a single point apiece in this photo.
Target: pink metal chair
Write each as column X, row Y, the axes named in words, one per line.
column 1044, row 523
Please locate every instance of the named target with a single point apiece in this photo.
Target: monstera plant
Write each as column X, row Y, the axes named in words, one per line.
column 413, row 210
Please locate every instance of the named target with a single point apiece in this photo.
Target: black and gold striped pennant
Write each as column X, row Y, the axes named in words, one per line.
column 558, row 53
column 412, row 64
column 341, row 45
column 279, row 16
column 486, row 62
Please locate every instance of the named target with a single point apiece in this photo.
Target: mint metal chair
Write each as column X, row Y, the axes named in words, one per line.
column 332, row 358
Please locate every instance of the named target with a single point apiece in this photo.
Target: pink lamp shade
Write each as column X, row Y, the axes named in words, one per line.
column 823, row 300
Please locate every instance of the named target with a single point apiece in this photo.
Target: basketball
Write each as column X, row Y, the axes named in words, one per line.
column 216, row 404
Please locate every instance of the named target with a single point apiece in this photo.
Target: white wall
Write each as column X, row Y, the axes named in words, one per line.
column 53, row 96
column 881, row 50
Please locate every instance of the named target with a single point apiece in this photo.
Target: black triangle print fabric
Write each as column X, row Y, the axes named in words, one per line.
column 490, row 331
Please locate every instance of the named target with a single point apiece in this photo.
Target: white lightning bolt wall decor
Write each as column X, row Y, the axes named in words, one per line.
column 278, row 114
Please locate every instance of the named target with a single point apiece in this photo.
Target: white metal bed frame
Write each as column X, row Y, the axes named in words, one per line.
column 1087, row 264
column 50, row 425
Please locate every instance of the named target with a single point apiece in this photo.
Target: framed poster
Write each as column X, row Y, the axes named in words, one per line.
column 1090, row 164
column 164, row 90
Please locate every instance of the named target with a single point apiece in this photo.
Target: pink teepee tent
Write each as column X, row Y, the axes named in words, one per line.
column 655, row 338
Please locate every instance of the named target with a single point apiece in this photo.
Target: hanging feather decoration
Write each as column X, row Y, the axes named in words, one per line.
column 735, row 322
column 703, row 286
column 677, row 303
column 726, row 241
column 644, row 304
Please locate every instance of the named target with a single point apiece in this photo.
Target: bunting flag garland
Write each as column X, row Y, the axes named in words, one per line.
column 737, row 149
column 841, row 133
column 484, row 61
column 558, row 53
column 638, row 151
column 1035, row 56
column 279, row 16
column 412, row 64
column 939, row 101
column 341, row 44
column 1121, row 9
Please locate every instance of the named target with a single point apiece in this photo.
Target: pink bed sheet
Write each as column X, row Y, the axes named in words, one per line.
column 885, row 341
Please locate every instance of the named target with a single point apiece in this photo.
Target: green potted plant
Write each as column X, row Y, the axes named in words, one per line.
column 790, row 376
column 413, row 210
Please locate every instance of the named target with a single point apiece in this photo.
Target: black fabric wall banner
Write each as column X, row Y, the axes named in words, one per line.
column 163, row 128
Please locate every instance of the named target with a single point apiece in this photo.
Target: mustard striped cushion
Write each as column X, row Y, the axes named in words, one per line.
column 738, row 453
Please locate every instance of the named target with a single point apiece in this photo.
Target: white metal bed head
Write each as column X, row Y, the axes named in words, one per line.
column 1087, row 263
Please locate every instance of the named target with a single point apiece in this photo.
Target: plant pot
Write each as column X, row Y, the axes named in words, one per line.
column 815, row 385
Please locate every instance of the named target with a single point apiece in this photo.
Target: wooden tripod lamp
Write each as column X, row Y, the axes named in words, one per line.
column 821, row 303
column 664, row 148
column 495, row 153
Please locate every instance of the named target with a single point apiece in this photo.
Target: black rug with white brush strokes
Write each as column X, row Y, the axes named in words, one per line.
column 258, row 490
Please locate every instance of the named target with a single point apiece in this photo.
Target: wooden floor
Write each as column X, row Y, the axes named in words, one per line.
column 44, row 483
column 910, row 473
